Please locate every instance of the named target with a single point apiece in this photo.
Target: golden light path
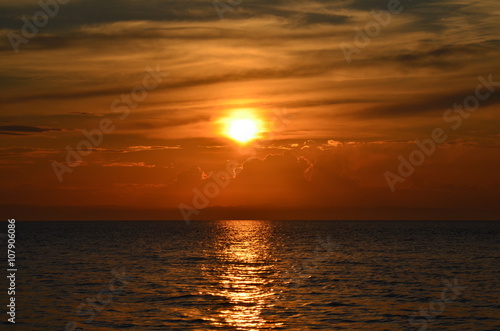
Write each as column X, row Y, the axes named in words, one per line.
column 243, row 275
column 242, row 125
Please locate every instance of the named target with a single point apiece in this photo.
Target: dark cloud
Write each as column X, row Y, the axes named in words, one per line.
column 425, row 103
column 241, row 76
column 447, row 56
column 92, row 12
column 427, row 14
column 95, row 12
column 24, row 151
column 304, row 19
column 83, row 113
column 278, row 179
column 19, row 129
column 171, row 122
column 11, row 134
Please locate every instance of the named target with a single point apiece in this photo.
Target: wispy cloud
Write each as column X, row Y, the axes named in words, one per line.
column 19, row 129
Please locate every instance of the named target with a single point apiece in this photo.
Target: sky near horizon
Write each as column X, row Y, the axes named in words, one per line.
column 332, row 127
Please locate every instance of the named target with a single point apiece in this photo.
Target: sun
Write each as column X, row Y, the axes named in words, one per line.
column 242, row 127
column 243, row 130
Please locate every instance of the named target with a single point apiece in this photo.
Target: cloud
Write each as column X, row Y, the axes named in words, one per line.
column 80, row 113
column 132, row 149
column 277, row 179
column 21, row 130
column 425, row 103
column 129, row 164
column 446, row 57
column 188, row 180
column 94, row 12
column 172, row 121
column 333, row 143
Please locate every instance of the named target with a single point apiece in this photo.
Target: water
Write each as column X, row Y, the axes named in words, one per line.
column 258, row 275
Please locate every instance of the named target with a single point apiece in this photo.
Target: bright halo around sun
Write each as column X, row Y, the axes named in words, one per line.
column 242, row 127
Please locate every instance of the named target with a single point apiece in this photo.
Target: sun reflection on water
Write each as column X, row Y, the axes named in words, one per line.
column 244, row 274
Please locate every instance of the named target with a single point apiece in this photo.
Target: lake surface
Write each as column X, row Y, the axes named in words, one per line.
column 257, row 275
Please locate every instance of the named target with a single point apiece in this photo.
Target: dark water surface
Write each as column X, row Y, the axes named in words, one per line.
column 257, row 275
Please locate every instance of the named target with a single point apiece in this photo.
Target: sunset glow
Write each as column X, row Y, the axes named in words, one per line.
column 344, row 109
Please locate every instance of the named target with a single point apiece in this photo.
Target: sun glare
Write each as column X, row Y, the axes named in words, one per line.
column 242, row 127
column 243, row 130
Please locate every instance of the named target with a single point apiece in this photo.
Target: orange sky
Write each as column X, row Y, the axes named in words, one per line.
column 333, row 129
